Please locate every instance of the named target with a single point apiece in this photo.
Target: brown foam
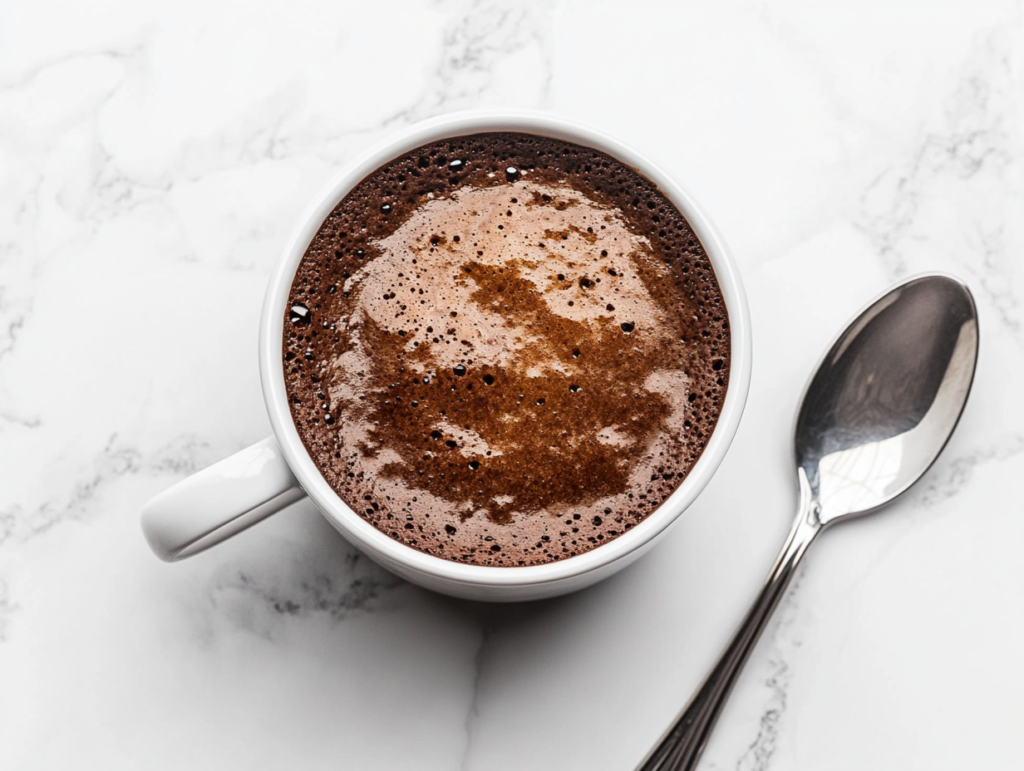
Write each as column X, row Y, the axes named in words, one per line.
column 487, row 403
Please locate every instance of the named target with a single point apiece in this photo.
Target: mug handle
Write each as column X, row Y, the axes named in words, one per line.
column 220, row 501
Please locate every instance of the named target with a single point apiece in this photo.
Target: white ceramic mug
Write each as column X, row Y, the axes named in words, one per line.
column 238, row 492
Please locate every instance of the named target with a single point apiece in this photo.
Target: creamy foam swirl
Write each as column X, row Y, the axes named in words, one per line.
column 475, row 280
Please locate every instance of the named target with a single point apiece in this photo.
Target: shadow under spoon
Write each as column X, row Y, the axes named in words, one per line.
column 876, row 414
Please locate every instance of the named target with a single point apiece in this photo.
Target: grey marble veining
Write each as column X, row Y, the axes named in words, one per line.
column 155, row 160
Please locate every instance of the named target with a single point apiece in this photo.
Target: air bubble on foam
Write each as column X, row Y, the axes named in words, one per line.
column 299, row 314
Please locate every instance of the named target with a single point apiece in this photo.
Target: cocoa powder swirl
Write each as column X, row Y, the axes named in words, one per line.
column 505, row 369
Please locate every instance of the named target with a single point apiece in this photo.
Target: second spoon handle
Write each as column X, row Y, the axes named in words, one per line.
column 681, row 746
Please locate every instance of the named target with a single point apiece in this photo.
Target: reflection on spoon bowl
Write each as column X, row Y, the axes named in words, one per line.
column 886, row 397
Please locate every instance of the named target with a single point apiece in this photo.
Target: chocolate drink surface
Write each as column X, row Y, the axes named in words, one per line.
column 505, row 350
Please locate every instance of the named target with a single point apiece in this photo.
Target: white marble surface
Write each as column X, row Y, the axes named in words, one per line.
column 153, row 160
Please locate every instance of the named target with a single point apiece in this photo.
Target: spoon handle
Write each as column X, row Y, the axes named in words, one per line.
column 681, row 746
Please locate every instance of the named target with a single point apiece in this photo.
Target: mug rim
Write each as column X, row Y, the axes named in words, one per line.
column 400, row 556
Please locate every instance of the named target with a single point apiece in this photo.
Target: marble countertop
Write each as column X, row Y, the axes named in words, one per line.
column 153, row 161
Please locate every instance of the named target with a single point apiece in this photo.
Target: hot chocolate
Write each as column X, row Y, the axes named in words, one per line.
column 506, row 350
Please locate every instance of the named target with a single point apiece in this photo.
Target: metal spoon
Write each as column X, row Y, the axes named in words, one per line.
column 875, row 416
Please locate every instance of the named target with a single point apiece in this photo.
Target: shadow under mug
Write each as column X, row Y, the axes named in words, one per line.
column 238, row 492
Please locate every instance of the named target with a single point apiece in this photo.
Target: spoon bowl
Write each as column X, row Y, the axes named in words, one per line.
column 886, row 397
column 877, row 412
